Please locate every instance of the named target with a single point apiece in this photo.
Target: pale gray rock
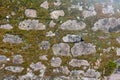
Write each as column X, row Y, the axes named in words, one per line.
column 15, row 69
column 62, row 49
column 45, row 45
column 45, row 5
column 43, row 57
column 3, row 59
column 37, row 66
column 114, row 77
column 57, row 3
column 78, row 63
column 83, row 49
column 118, row 51
column 72, row 25
column 77, row 73
column 56, row 14
column 6, row 26
column 118, row 39
column 12, row 39
column 18, row 59
column 9, row 78
column 108, row 9
column 50, row 34
column 107, row 25
column 52, row 24
column 31, row 25
column 65, row 70
column 56, row 62
column 31, row 13
column 72, row 38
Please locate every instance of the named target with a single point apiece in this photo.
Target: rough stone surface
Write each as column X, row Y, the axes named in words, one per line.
column 12, row 39
column 108, row 9
column 52, row 24
column 56, row 14
column 43, row 57
column 31, row 25
column 78, row 63
column 3, row 59
column 62, row 49
column 37, row 66
column 50, row 34
column 83, row 49
column 72, row 25
column 77, row 72
column 45, row 5
column 72, row 38
column 15, row 69
column 18, row 59
column 65, row 70
column 6, row 26
column 56, row 61
column 118, row 39
column 45, row 45
column 31, row 13
column 107, row 25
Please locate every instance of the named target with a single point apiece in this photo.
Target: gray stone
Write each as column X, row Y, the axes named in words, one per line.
column 56, row 14
column 52, row 24
column 9, row 78
column 15, row 69
column 107, row 25
column 56, row 61
column 72, row 38
column 65, row 70
column 77, row 72
column 57, row 3
column 18, row 59
column 45, row 45
column 118, row 39
column 78, row 63
column 72, row 25
column 45, row 5
column 61, row 49
column 31, row 13
column 83, row 49
column 108, row 9
column 6, row 26
column 12, row 39
column 3, row 59
column 43, row 57
column 118, row 51
column 50, row 34
column 37, row 66
column 31, row 25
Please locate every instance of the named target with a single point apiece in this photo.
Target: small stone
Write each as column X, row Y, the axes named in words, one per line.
column 108, row 9
column 57, row 3
column 56, row 61
column 72, row 38
column 43, row 57
column 77, row 72
column 31, row 25
column 52, row 24
column 56, row 14
column 6, row 26
column 12, row 39
column 72, row 25
column 45, row 45
column 50, row 34
column 3, row 59
column 78, row 63
column 31, row 13
column 118, row 51
column 37, row 66
column 45, row 5
column 15, row 69
column 17, row 59
column 65, row 70
column 118, row 39
column 62, row 49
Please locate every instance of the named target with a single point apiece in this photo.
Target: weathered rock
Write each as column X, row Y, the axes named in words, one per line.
column 78, row 63
column 108, row 9
column 17, row 59
column 118, row 39
column 57, row 3
column 31, row 13
column 9, row 78
column 77, row 72
column 12, row 39
column 43, row 57
column 56, row 61
column 61, row 49
column 6, row 26
column 3, row 59
column 45, row 45
column 118, row 51
column 56, row 14
column 83, row 49
column 107, row 25
column 114, row 77
column 52, row 24
column 37, row 66
column 72, row 25
column 72, row 38
column 50, row 34
column 15, row 69
column 31, row 25
column 65, row 70
column 45, row 5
